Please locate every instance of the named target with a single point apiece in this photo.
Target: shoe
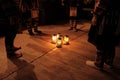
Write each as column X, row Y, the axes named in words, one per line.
column 37, row 31
column 76, row 30
column 19, row 32
column 12, row 49
column 109, row 64
column 31, row 33
column 93, row 65
column 15, row 48
column 71, row 28
column 14, row 55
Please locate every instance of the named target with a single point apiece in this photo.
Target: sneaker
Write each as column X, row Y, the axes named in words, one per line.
column 93, row 65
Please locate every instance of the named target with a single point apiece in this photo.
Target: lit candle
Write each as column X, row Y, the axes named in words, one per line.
column 58, row 35
column 66, row 39
column 54, row 38
column 59, row 42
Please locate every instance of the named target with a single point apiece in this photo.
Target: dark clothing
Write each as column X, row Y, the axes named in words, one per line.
column 102, row 35
column 26, row 12
column 104, row 32
column 11, row 12
column 73, row 3
column 3, row 21
column 34, row 18
column 27, row 4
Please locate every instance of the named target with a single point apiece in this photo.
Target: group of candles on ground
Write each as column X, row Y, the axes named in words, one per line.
column 59, row 39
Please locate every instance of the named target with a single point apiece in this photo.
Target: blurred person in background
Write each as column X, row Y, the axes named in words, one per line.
column 30, row 15
column 73, row 10
column 34, row 19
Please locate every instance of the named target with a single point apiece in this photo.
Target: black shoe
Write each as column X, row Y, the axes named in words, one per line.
column 19, row 32
column 71, row 28
column 38, row 31
column 109, row 64
column 14, row 55
column 12, row 49
column 16, row 48
column 31, row 33
column 76, row 30
column 99, row 66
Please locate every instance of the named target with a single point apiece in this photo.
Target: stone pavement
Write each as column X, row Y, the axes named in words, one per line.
column 42, row 60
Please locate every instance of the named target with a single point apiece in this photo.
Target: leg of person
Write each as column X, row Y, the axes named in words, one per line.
column 100, row 58
column 9, row 42
column 99, row 61
column 71, row 24
column 35, row 23
column 36, row 30
column 75, row 25
column 29, row 25
column 110, row 56
column 30, row 31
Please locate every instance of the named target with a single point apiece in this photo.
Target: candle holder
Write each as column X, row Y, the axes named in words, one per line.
column 66, row 40
column 58, row 35
column 59, row 40
column 59, row 43
column 54, row 38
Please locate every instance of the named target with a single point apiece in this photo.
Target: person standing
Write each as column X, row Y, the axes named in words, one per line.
column 34, row 18
column 102, row 32
column 10, row 13
column 73, row 7
column 30, row 15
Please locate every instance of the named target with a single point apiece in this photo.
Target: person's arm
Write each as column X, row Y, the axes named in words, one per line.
column 94, row 19
column 100, row 7
column 62, row 2
column 96, row 5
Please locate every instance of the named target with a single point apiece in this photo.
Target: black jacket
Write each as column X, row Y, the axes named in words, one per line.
column 9, row 11
column 73, row 3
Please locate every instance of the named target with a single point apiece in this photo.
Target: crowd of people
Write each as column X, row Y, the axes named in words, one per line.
column 102, row 33
column 10, row 18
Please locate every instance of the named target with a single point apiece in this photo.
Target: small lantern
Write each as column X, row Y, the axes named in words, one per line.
column 59, row 42
column 54, row 38
column 58, row 35
column 66, row 39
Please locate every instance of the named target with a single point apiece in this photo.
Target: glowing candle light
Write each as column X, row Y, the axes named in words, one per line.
column 54, row 38
column 66, row 39
column 58, row 35
column 59, row 42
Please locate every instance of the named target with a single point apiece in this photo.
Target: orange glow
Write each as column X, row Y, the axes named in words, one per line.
column 66, row 39
column 54, row 38
column 59, row 42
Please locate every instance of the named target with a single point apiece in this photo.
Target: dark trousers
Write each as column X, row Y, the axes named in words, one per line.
column 9, row 37
column 33, row 23
column 105, row 55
